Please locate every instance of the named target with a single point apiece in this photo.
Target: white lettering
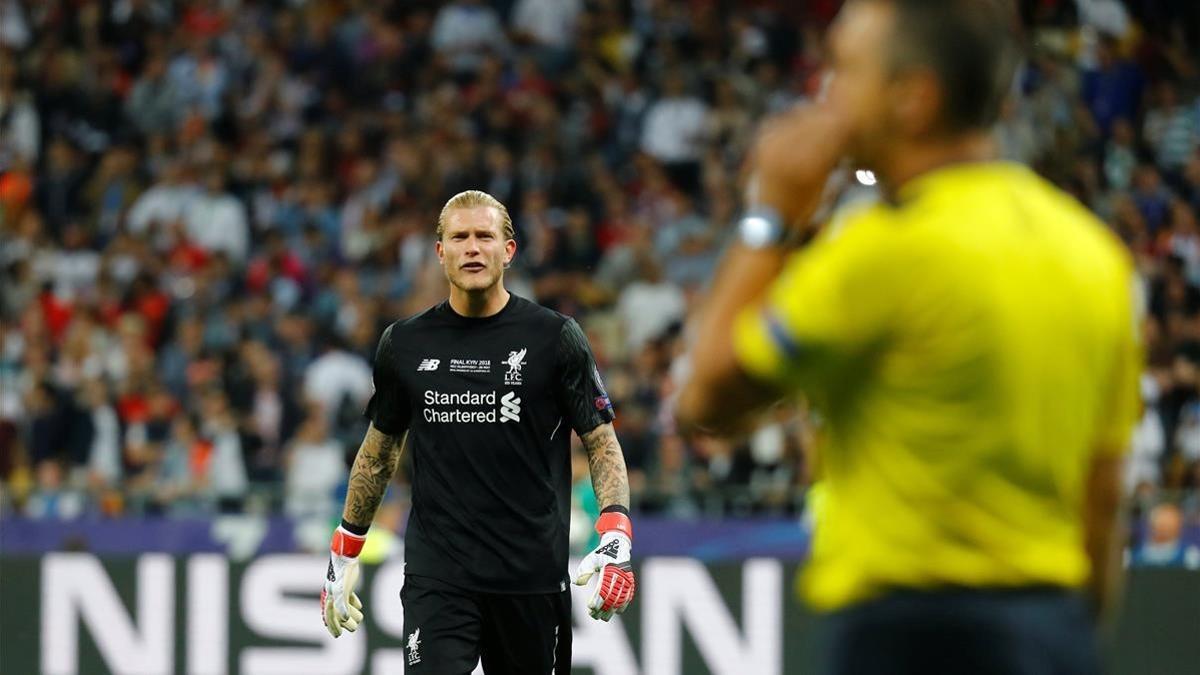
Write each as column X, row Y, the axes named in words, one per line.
column 681, row 591
column 75, row 585
column 277, row 602
column 459, row 416
column 470, row 366
column 208, row 614
column 271, row 608
column 433, row 397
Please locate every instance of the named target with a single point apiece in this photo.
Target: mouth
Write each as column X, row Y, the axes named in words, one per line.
column 473, row 267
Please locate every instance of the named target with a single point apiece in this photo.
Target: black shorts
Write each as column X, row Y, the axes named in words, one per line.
column 448, row 630
column 983, row 632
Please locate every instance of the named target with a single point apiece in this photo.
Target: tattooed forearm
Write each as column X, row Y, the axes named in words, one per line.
column 607, row 464
column 374, row 466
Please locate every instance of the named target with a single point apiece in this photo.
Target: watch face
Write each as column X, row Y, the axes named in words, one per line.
column 758, row 231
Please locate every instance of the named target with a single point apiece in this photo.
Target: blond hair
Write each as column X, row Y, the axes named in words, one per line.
column 473, row 199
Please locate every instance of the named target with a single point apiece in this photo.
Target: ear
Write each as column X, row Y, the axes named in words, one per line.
column 510, row 252
column 917, row 103
column 437, row 246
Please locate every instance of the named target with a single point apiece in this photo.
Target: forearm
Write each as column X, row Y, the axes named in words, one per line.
column 1103, row 533
column 606, row 462
column 742, row 279
column 1104, row 552
column 376, row 462
column 790, row 164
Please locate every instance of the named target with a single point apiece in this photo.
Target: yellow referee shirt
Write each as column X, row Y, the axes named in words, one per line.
column 970, row 348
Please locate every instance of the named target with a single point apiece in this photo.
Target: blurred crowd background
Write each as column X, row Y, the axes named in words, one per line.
column 209, row 209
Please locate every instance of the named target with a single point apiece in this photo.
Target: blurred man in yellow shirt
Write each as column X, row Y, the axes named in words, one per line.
column 971, row 342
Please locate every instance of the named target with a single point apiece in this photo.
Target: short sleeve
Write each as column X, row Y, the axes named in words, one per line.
column 1122, row 404
column 830, row 304
column 580, row 389
column 388, row 409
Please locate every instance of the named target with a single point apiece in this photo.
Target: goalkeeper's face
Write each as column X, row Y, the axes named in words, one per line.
column 473, row 250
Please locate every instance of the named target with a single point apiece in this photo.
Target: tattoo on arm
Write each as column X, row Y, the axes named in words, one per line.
column 376, row 463
column 607, row 465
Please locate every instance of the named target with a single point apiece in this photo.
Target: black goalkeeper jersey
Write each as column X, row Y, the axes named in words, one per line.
column 489, row 404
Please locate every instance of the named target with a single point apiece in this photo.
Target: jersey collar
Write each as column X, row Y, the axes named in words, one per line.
column 946, row 176
column 458, row 319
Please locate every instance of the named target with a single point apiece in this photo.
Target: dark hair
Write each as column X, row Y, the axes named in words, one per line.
column 969, row 44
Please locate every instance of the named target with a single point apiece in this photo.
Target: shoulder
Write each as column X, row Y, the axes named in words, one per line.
column 406, row 327
column 563, row 332
column 542, row 317
column 417, row 321
column 854, row 216
column 1090, row 237
column 1116, row 255
column 855, row 235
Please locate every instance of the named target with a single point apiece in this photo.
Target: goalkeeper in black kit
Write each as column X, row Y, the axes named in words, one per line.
column 485, row 389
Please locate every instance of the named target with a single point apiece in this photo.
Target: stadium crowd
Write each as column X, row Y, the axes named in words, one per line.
column 209, row 209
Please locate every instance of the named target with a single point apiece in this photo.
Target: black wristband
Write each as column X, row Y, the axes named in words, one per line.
column 616, row 507
column 355, row 529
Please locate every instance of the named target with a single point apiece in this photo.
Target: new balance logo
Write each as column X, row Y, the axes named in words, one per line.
column 510, row 408
column 429, row 365
column 610, row 549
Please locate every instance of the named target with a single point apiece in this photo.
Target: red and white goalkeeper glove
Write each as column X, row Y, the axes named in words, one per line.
column 615, row 587
column 341, row 609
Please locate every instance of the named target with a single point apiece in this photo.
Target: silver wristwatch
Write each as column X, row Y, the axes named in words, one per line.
column 762, row 227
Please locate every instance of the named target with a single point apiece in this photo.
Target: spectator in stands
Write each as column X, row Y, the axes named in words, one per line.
column 200, row 78
column 1163, row 547
column 674, row 130
column 1120, row 156
column 1172, row 128
column 104, row 453
column 20, row 124
column 464, row 31
column 223, row 472
column 550, row 26
column 58, row 189
column 164, row 203
column 51, row 499
column 1112, row 90
column 154, row 103
column 1016, row 138
column 337, row 377
column 110, row 192
column 216, row 220
column 1151, row 196
column 46, row 431
column 315, row 468
column 649, row 306
column 271, row 414
column 186, row 459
